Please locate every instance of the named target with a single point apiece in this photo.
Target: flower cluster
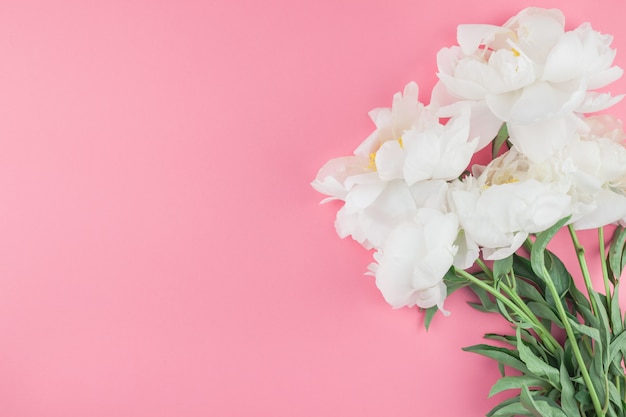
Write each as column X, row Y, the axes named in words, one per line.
column 411, row 193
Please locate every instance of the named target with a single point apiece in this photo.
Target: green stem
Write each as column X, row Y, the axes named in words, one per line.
column 551, row 342
column 529, row 317
column 528, row 245
column 484, row 267
column 574, row 343
column 541, row 330
column 580, row 254
column 605, row 272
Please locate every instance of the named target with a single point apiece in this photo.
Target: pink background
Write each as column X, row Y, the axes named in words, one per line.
column 161, row 251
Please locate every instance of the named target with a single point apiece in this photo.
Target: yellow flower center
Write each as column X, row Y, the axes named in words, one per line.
column 509, row 179
column 372, row 163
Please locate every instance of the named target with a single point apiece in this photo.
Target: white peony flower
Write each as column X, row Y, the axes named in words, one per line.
column 418, row 253
column 372, row 211
column 436, row 152
column 510, row 199
column 406, row 113
column 531, row 74
column 598, row 175
column 339, row 175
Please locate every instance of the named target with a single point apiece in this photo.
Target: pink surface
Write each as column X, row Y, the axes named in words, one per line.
column 161, row 251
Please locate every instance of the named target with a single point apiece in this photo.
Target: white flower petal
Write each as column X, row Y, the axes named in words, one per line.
column 610, row 208
column 467, row 252
column 423, row 155
column 517, row 241
column 564, row 62
column 413, row 261
column 594, row 102
column 390, row 160
column 540, row 140
column 331, row 178
column 470, row 37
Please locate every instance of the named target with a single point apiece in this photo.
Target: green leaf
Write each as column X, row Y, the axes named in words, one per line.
column 599, row 378
column 584, row 309
column 505, row 356
column 536, row 365
column 586, row 330
column 580, row 304
column 429, row 313
column 583, row 397
column 511, row 340
column 501, row 137
column 617, row 252
column 528, row 291
column 568, row 402
column 504, row 312
column 617, row 348
column 558, row 273
column 614, row 394
column 544, row 311
column 604, row 328
column 533, row 344
column 616, row 313
column 537, row 260
column 541, row 407
column 501, row 267
column 516, row 382
column 508, row 408
column 485, row 300
column 523, row 268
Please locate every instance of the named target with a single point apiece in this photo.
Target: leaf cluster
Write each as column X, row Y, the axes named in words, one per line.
column 581, row 375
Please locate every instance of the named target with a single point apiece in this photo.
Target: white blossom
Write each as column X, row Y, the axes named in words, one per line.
column 531, row 74
column 411, row 266
column 598, row 175
column 509, row 199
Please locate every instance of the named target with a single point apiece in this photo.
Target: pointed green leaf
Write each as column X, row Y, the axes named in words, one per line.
column 496, row 144
column 586, row 330
column 504, row 312
column 568, row 402
column 558, row 273
column 537, row 255
column 529, row 291
column 617, row 252
column 511, row 340
column 617, row 348
column 523, row 268
column 540, row 407
column 536, row 365
column 544, row 311
column 485, row 300
column 614, row 394
column 604, row 327
column 599, row 378
column 616, row 313
column 429, row 313
column 583, row 397
column 501, row 267
column 508, row 408
column 505, row 356
column 516, row 382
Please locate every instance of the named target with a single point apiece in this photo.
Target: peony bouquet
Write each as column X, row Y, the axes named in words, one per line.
column 520, row 94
